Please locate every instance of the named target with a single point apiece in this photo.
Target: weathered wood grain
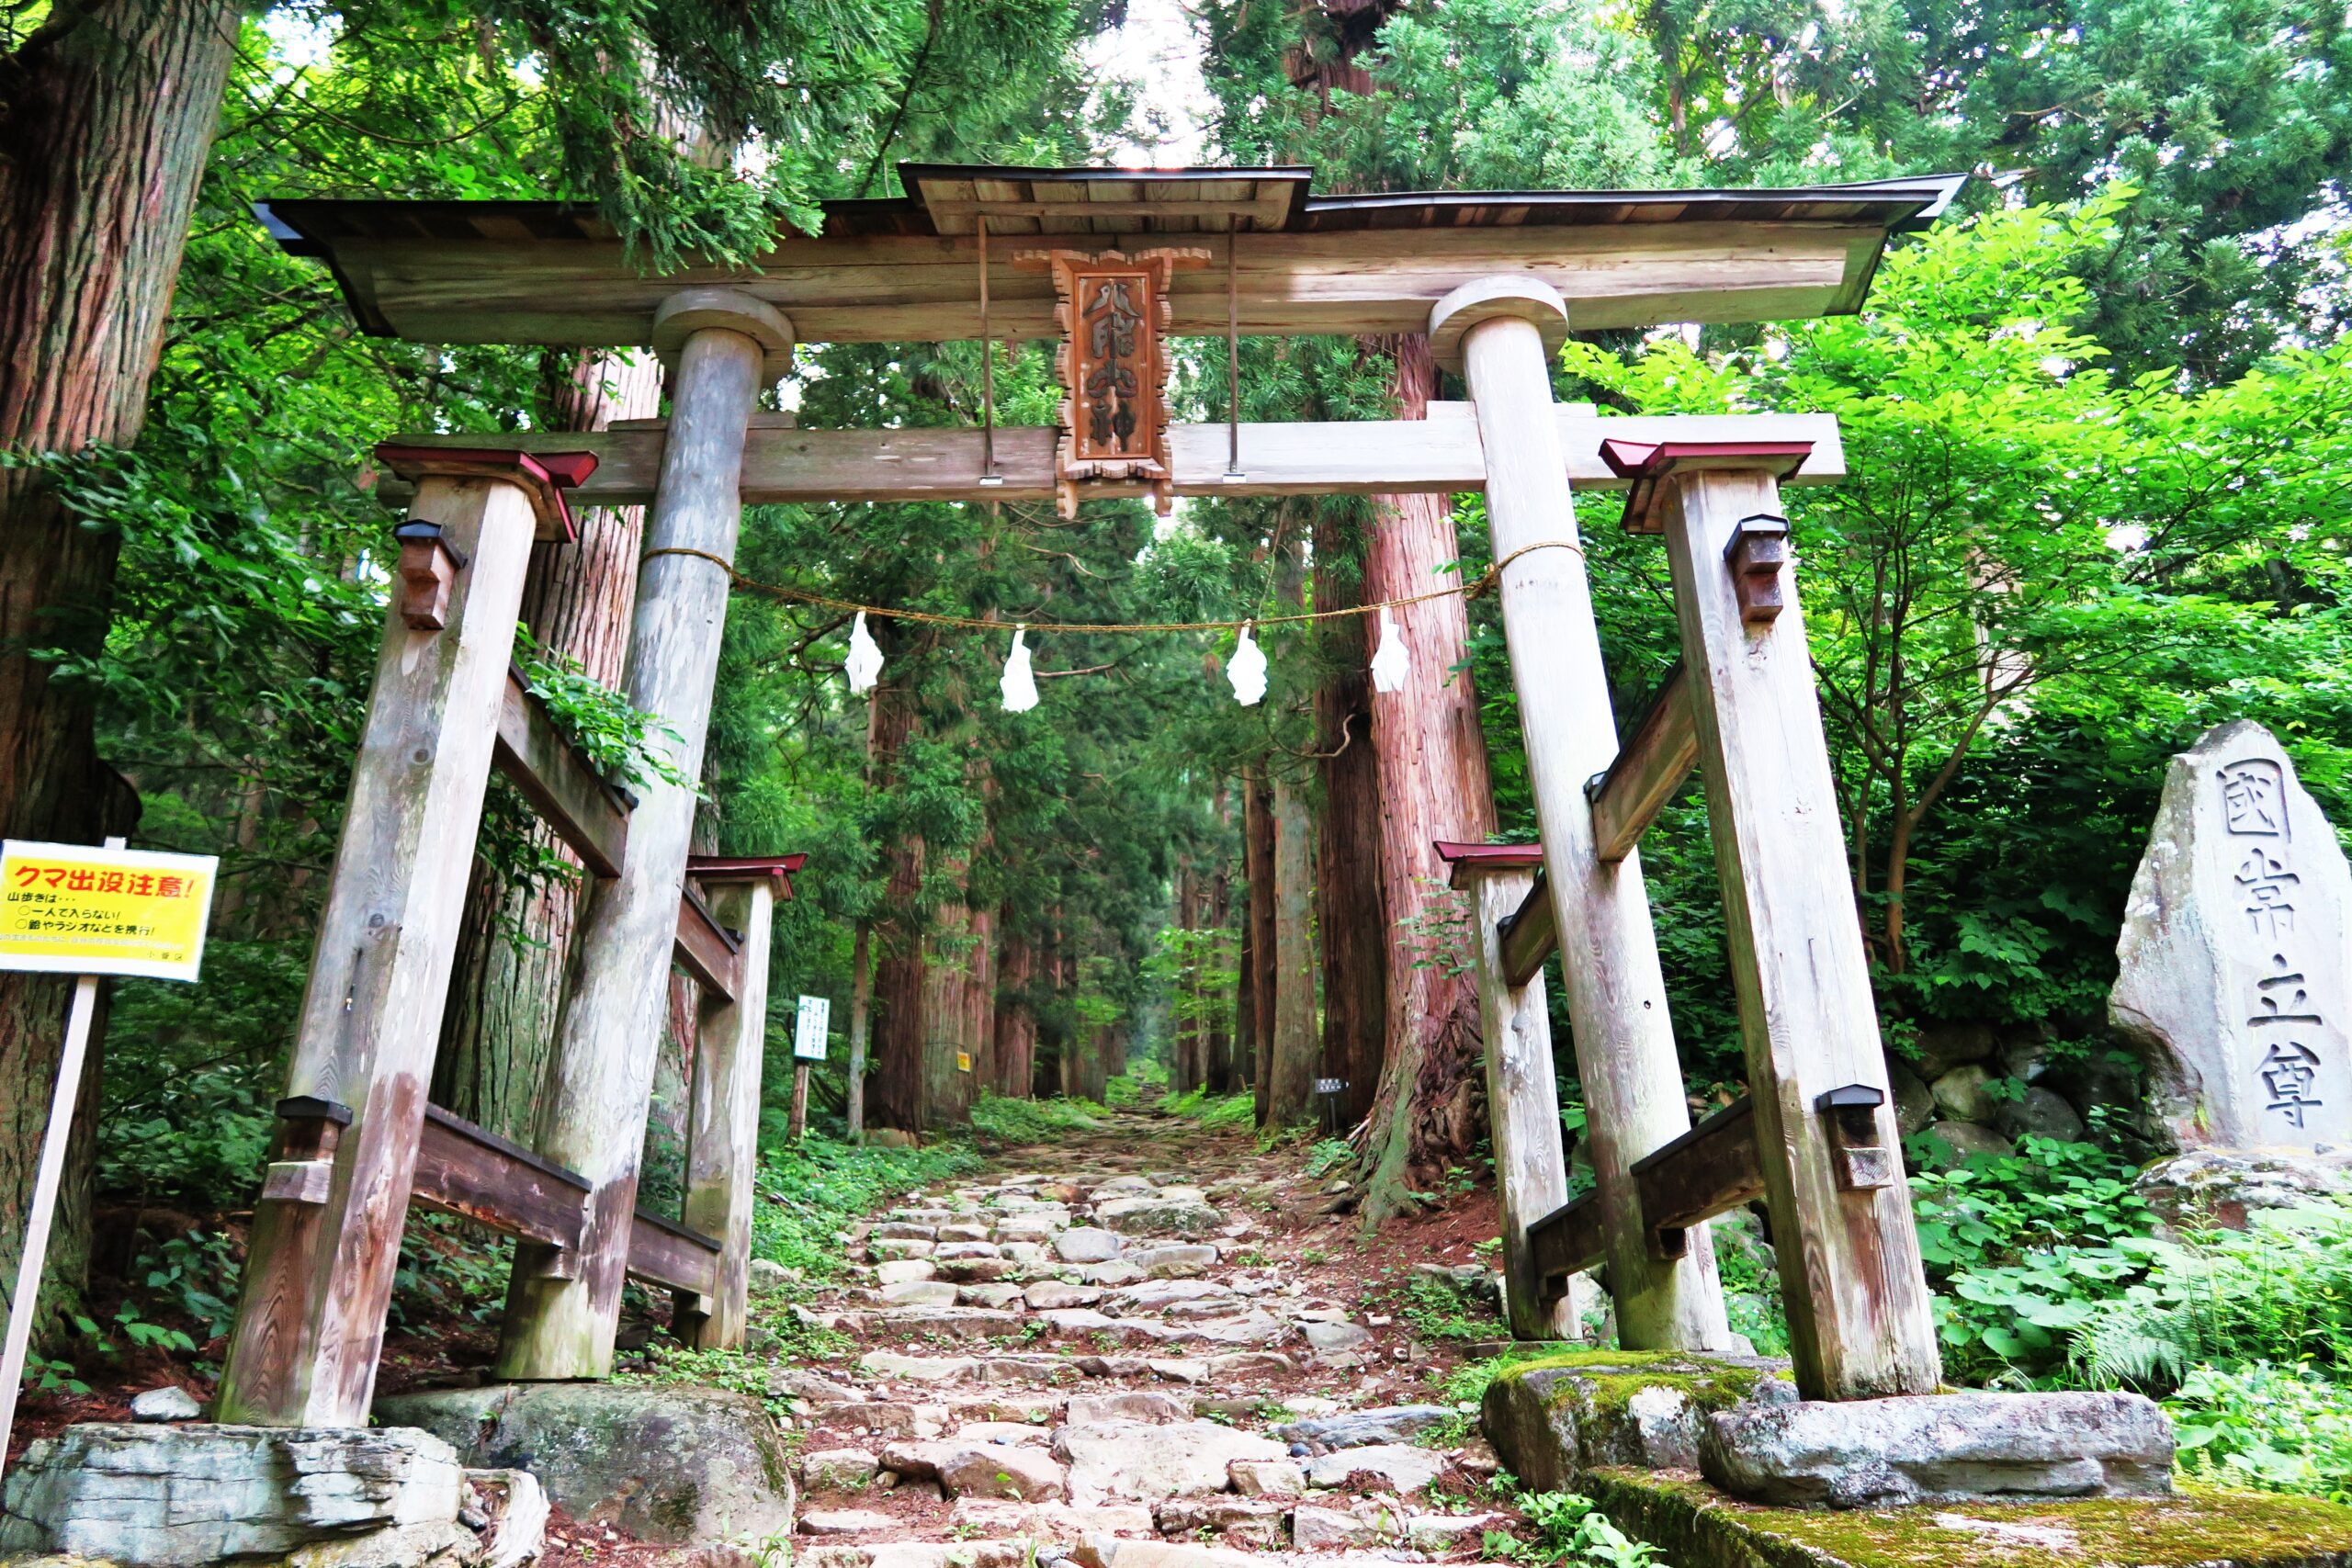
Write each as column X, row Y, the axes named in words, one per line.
column 464, row 1170
column 704, row 949
column 665, row 1253
column 548, row 772
column 1440, row 454
column 723, row 1111
column 896, row 288
column 600, row 1071
column 1624, row 1044
column 319, row 1276
column 1645, row 775
column 1523, row 1102
column 1857, row 1296
column 1530, row 935
column 1709, row 1170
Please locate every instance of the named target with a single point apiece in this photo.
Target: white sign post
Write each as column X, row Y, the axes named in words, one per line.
column 72, row 910
column 809, row 1028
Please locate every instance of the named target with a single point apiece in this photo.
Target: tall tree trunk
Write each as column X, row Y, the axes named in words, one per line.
column 1016, row 1023
column 980, row 1004
column 1433, row 784
column 1290, row 1077
column 894, row 1098
column 106, row 112
column 1215, row 1018
column 1351, row 906
column 507, row 982
column 861, row 1019
column 947, row 1087
column 1258, row 828
column 1245, row 1003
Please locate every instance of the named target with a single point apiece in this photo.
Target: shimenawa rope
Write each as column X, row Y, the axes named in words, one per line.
column 1485, row 583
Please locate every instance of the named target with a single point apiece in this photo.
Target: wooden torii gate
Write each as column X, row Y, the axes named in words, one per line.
column 1495, row 278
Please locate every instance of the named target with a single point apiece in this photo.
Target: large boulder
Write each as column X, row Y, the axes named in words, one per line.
column 678, row 1466
column 180, row 1495
column 2235, row 942
column 1964, row 1094
column 2206, row 1187
column 1948, row 1448
column 1553, row 1419
column 1165, row 1214
column 1152, row 1461
column 2039, row 1112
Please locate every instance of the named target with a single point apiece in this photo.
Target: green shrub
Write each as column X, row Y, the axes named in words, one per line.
column 2276, row 1428
column 2024, row 1250
column 809, row 1190
column 1231, row 1113
column 2279, row 1290
column 1031, row 1121
column 1570, row 1528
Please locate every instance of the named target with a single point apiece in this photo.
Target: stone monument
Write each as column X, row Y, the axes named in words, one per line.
column 2234, row 981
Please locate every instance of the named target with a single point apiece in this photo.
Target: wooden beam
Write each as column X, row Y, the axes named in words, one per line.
column 1616, row 988
column 723, row 1117
column 664, row 1252
column 1528, row 935
column 1709, row 1170
column 476, row 1175
column 607, row 1039
column 1649, row 768
column 326, row 1232
column 705, row 949
column 920, row 288
column 1438, row 454
column 569, row 795
column 1523, row 1099
column 1860, row 1320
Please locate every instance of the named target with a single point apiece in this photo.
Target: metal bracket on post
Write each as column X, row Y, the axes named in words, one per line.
column 1758, row 549
column 1864, row 1164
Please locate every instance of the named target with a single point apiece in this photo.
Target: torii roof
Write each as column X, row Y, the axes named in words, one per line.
column 905, row 268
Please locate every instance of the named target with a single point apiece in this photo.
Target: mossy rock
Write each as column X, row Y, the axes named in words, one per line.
column 676, row 1465
column 1555, row 1416
column 1695, row 1526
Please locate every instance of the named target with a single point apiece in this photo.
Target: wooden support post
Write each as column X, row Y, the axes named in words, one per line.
column 797, row 1128
column 600, row 1076
column 1523, row 1100
column 1860, row 1324
column 1655, row 764
column 326, row 1232
column 723, row 1115
column 1497, row 330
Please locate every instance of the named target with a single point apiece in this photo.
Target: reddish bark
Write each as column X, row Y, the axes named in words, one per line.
column 1017, row 1024
column 1258, row 828
column 1431, row 756
column 894, row 1088
column 1351, row 909
column 106, row 111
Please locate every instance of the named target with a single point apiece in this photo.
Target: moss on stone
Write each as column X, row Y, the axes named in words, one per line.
column 1697, row 1526
column 1611, row 1378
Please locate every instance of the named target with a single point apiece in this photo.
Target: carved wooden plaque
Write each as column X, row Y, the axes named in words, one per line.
column 1114, row 367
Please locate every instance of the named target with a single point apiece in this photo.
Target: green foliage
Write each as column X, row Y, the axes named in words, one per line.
column 625, row 743
column 2024, row 1250
column 809, row 1190
column 1571, row 1529
column 1031, row 1121
column 2271, row 1427
column 1228, row 1113
column 2279, row 1290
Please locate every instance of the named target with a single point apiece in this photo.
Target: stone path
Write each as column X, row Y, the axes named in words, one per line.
column 1129, row 1367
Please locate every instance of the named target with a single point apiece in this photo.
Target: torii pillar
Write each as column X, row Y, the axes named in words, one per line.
column 1500, row 332
column 722, row 346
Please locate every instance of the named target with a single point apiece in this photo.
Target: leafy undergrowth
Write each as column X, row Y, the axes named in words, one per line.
column 1032, row 1120
column 1222, row 1112
column 811, row 1188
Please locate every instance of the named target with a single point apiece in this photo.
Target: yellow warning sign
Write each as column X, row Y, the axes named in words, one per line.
column 78, row 910
column 963, row 1061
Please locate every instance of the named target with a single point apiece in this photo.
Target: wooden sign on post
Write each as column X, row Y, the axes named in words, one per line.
column 72, row 910
column 809, row 1025
column 1114, row 366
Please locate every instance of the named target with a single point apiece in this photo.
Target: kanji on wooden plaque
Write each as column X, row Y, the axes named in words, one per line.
column 1114, row 366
